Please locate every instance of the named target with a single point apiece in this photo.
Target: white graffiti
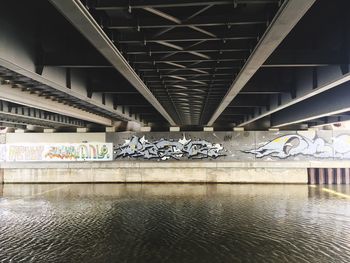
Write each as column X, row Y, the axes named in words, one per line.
column 296, row 144
column 165, row 149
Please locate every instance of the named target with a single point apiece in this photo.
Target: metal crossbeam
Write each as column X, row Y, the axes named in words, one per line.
column 76, row 13
column 154, row 24
column 317, row 107
column 123, row 5
column 187, row 39
column 286, row 18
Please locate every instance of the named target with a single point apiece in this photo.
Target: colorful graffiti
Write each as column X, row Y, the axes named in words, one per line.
column 163, row 149
column 79, row 152
column 23, row 153
column 296, row 144
column 59, row 152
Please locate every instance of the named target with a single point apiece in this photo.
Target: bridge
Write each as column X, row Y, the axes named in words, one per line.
column 238, row 82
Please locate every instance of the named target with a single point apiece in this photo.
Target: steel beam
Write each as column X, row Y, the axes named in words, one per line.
column 161, row 4
column 332, row 102
column 50, row 87
column 80, row 17
column 304, row 58
column 190, row 51
column 154, row 24
column 184, row 38
column 313, row 92
column 284, row 21
column 284, row 58
column 15, row 95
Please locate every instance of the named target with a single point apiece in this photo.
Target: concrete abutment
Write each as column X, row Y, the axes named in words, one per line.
column 247, row 157
column 117, row 172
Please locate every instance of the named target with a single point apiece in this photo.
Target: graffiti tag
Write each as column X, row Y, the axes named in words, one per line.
column 295, row 144
column 164, row 149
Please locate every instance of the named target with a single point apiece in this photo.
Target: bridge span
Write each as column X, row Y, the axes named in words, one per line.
column 254, row 85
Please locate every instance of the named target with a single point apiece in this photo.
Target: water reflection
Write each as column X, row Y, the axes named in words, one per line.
column 174, row 223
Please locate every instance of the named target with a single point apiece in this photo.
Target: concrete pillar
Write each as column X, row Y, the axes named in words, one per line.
column 20, row 131
column 111, row 129
column 238, row 128
column 339, row 175
column 145, row 129
column 347, row 176
column 49, row 130
column 1, row 180
column 330, row 176
column 174, row 129
column 82, row 130
column 208, row 129
column 321, row 176
column 312, row 176
column 133, row 126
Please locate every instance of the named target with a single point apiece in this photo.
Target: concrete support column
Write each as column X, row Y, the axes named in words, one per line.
column 1, row 180
column 312, row 176
column 347, row 175
column 111, row 129
column 145, row 129
column 49, row 130
column 82, row 130
column 20, row 131
column 208, row 129
column 321, row 176
column 174, row 129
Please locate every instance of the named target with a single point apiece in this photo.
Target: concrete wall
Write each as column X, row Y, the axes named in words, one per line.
column 151, row 172
column 55, row 137
column 156, row 190
column 250, row 157
column 2, row 138
column 237, row 146
column 251, row 145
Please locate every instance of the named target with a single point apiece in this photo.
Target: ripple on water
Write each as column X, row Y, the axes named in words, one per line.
column 195, row 223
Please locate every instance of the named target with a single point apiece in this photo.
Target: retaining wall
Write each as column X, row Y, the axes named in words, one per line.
column 248, row 157
column 155, row 172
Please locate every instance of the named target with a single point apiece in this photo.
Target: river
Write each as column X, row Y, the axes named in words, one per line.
column 174, row 223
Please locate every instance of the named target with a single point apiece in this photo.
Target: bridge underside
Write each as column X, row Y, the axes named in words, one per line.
column 256, row 64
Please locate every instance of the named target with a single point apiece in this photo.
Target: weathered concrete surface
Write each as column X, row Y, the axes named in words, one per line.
column 2, row 138
column 165, row 172
column 63, row 137
column 154, row 190
column 157, row 175
column 1, row 176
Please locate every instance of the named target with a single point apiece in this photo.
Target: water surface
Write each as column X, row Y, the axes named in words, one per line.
column 174, row 223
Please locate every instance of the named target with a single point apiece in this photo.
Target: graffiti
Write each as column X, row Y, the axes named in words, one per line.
column 79, row 152
column 164, row 149
column 20, row 153
column 296, row 144
column 58, row 152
